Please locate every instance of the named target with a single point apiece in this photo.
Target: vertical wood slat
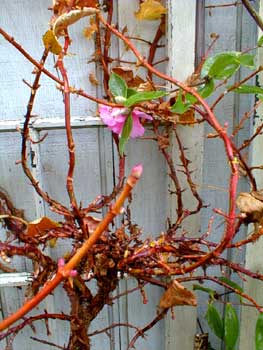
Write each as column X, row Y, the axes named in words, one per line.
column 179, row 333
column 254, row 258
column 149, row 207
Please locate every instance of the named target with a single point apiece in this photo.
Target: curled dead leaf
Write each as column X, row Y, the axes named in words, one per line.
column 127, row 74
column 61, row 6
column 177, row 294
column 248, row 204
column 65, row 20
column 42, row 224
column 93, row 79
column 251, row 205
column 91, row 222
column 150, row 10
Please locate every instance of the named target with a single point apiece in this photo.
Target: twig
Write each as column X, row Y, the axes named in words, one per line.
column 253, row 13
column 141, row 333
column 42, row 341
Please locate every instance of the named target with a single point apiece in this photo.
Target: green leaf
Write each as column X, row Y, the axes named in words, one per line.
column 126, row 131
column 211, row 292
column 131, row 92
column 180, row 107
column 207, row 89
column 206, row 66
column 143, row 96
column 117, row 85
column 260, row 41
column 231, row 284
column 231, row 327
column 247, row 60
column 249, row 89
column 224, row 66
column 259, row 333
column 190, row 99
column 214, row 321
column 219, row 60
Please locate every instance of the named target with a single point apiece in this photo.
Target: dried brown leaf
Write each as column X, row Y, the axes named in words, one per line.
column 177, row 294
column 91, row 29
column 248, row 204
column 42, row 224
column 92, row 223
column 187, row 117
column 93, row 79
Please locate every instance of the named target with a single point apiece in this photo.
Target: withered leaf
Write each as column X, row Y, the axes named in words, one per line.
column 187, row 117
column 61, row 6
column 248, row 204
column 93, row 79
column 177, row 294
column 42, row 224
column 125, row 72
column 65, row 20
column 257, row 194
column 91, row 29
column 92, row 223
column 150, row 10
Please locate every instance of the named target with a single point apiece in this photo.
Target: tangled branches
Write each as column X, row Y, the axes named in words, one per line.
column 105, row 254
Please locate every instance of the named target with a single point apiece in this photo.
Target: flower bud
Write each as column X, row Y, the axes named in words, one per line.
column 120, row 99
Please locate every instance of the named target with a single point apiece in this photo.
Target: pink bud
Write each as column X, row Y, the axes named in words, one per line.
column 73, row 273
column 137, row 170
column 61, row 262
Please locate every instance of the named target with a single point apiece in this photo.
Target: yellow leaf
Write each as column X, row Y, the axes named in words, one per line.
column 50, row 42
column 150, row 10
column 53, row 242
column 42, row 224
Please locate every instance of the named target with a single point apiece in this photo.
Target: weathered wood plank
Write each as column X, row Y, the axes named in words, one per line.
column 181, row 30
column 28, row 30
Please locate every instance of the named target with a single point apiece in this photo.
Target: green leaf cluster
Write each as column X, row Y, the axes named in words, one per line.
column 223, row 65
column 226, row 328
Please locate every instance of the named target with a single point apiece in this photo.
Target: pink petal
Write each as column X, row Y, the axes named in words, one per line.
column 114, row 118
column 117, row 128
column 141, row 114
column 137, row 128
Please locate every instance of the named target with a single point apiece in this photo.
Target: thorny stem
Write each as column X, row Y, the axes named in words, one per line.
column 225, row 285
column 25, row 137
column 70, row 141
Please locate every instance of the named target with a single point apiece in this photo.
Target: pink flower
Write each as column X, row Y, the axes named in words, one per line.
column 115, row 118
